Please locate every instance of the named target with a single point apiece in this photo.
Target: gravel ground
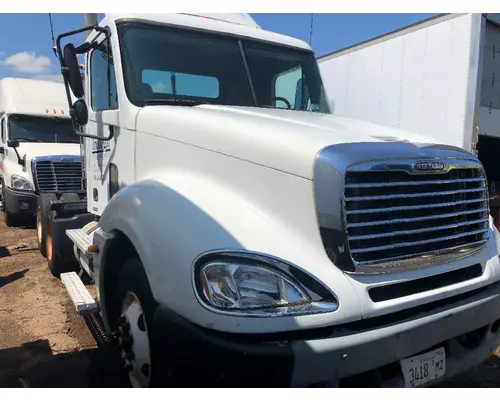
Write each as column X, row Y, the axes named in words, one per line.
column 44, row 343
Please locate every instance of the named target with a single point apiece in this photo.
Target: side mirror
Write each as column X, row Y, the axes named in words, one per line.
column 2, row 150
column 73, row 70
column 80, row 113
column 13, row 143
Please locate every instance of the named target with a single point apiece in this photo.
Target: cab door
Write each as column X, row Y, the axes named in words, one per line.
column 103, row 120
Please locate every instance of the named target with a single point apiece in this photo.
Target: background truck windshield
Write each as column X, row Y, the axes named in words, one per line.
column 167, row 65
column 26, row 128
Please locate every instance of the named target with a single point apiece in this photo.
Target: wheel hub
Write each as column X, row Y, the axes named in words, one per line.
column 133, row 340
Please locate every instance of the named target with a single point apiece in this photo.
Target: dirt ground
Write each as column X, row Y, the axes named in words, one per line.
column 44, row 343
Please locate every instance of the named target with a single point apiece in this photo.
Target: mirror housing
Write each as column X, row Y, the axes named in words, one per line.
column 13, row 143
column 79, row 112
column 72, row 69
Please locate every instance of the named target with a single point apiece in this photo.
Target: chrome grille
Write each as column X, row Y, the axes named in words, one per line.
column 396, row 218
column 58, row 176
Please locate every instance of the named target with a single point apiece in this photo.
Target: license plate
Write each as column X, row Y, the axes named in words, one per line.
column 424, row 368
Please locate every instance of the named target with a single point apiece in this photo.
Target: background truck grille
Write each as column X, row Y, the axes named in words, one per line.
column 59, row 176
column 394, row 217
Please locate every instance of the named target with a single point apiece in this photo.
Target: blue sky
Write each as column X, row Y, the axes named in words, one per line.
column 28, row 52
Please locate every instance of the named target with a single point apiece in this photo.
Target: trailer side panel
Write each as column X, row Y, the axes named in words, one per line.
column 422, row 80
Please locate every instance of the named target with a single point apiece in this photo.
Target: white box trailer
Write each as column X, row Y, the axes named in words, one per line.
column 439, row 77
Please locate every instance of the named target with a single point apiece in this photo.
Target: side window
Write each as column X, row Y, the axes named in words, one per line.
column 289, row 85
column 177, row 83
column 101, row 98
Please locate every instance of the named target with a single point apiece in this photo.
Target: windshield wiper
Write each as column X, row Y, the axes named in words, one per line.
column 174, row 102
column 27, row 139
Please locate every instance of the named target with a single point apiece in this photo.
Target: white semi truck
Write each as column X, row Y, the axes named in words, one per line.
column 39, row 153
column 439, row 77
column 239, row 233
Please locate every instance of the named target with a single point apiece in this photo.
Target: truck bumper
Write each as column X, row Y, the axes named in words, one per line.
column 365, row 353
column 20, row 204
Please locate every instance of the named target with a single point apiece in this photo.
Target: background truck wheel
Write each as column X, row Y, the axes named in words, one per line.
column 42, row 212
column 132, row 317
column 56, row 266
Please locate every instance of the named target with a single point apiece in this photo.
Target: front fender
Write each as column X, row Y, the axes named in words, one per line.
column 173, row 219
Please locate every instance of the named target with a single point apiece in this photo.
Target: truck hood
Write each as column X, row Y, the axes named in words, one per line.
column 32, row 150
column 285, row 140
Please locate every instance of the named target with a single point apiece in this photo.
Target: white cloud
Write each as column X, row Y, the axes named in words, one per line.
column 49, row 77
column 28, row 62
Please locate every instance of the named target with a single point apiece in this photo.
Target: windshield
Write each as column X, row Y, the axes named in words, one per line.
column 164, row 65
column 41, row 129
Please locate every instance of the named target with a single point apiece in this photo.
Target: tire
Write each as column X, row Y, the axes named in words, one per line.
column 42, row 211
column 133, row 285
column 56, row 266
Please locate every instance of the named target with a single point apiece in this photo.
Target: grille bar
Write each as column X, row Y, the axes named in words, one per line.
column 414, row 195
column 412, row 183
column 416, row 219
column 423, row 256
column 398, row 218
column 406, row 244
column 424, row 230
column 419, row 207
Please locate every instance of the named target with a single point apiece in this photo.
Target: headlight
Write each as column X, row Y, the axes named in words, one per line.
column 20, row 183
column 255, row 289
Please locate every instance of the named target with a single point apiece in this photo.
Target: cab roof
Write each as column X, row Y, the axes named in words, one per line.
column 234, row 24
column 33, row 97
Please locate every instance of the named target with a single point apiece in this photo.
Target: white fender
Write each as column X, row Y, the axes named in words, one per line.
column 174, row 218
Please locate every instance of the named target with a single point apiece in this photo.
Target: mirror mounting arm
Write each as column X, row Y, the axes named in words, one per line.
column 97, row 137
column 14, row 144
column 20, row 160
column 73, row 113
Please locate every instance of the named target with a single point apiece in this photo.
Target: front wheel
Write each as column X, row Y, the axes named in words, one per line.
column 55, row 264
column 42, row 211
column 133, row 311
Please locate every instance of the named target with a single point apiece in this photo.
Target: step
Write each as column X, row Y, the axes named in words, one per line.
column 81, row 240
column 84, row 302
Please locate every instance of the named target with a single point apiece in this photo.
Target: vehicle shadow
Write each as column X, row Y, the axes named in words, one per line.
column 5, row 280
column 4, row 252
column 34, row 365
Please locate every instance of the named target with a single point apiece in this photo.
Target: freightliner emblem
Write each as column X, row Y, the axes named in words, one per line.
column 429, row 166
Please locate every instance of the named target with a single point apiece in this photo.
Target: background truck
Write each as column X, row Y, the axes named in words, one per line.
column 240, row 234
column 39, row 153
column 439, row 77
